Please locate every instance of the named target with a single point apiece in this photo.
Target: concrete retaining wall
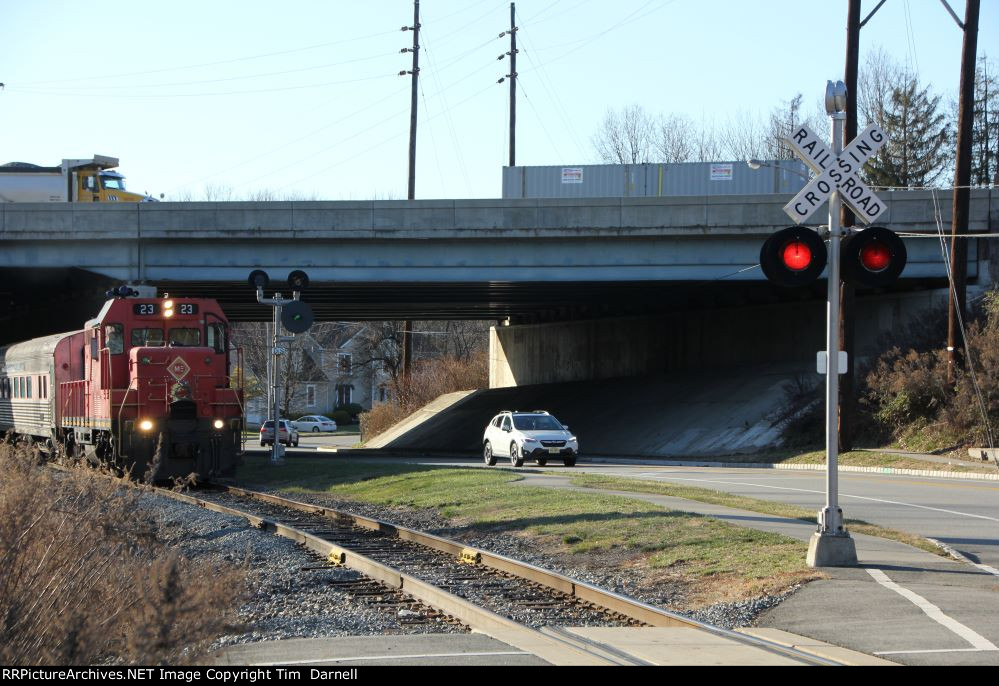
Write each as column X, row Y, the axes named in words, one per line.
column 685, row 341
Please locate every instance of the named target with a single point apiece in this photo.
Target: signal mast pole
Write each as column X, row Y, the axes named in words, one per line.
column 832, row 545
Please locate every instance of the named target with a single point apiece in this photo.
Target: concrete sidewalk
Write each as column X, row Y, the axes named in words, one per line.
column 901, row 603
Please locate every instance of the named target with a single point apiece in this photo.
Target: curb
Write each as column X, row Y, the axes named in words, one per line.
column 961, row 557
column 820, row 649
column 803, row 467
column 652, row 461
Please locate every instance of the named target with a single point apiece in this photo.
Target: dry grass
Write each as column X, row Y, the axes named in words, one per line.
column 430, row 379
column 83, row 579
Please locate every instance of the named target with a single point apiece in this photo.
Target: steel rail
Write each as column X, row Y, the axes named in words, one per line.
column 609, row 600
column 550, row 648
column 550, row 644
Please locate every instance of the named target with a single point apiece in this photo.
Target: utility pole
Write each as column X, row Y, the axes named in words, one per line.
column 962, row 180
column 848, row 294
column 513, row 86
column 407, row 327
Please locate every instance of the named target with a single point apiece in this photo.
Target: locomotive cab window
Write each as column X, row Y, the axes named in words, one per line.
column 147, row 337
column 215, row 335
column 185, row 337
column 114, row 338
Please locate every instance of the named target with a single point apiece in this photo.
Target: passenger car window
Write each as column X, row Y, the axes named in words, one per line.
column 506, row 424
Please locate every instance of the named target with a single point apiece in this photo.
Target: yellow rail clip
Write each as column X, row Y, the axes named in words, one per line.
column 470, row 556
column 337, row 557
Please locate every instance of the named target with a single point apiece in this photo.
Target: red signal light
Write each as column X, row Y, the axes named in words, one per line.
column 874, row 258
column 793, row 257
column 797, row 256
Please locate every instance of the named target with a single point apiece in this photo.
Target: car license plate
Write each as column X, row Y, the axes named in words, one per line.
column 554, row 450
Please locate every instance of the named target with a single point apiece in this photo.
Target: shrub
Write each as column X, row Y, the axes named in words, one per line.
column 340, row 417
column 904, row 395
column 83, row 579
column 429, row 380
column 907, row 393
column 351, row 409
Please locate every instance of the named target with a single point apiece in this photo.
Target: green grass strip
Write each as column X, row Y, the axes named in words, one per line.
column 707, row 495
column 696, row 546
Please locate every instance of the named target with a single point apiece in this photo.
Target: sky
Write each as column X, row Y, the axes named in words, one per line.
column 303, row 100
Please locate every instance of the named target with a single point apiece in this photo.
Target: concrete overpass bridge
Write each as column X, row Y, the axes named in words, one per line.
column 530, row 260
column 649, row 313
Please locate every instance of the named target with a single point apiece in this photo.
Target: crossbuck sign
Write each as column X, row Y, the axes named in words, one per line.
column 836, row 174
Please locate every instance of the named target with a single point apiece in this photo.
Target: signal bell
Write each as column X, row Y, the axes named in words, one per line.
column 793, row 257
column 874, row 257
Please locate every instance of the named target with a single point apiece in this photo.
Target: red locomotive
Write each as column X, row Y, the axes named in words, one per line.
column 145, row 386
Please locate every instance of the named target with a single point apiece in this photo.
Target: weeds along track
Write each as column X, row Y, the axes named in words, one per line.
column 436, row 579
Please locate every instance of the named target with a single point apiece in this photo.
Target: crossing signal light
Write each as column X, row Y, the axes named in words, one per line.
column 793, row 257
column 874, row 257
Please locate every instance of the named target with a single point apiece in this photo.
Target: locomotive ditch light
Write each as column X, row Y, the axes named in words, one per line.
column 874, row 257
column 258, row 279
column 218, row 424
column 146, row 425
column 793, row 257
column 298, row 280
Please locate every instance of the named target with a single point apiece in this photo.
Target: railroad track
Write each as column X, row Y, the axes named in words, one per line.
column 434, row 579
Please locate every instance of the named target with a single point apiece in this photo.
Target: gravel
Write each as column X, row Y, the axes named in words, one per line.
column 604, row 570
column 287, row 601
column 284, row 600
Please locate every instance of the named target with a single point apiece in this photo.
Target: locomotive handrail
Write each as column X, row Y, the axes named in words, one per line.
column 122, row 407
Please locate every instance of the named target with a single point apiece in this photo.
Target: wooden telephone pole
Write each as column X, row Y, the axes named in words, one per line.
column 407, row 326
column 962, row 193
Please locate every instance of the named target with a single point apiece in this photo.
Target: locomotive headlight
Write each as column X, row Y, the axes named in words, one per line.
column 146, row 425
column 168, row 304
column 218, row 423
column 168, row 312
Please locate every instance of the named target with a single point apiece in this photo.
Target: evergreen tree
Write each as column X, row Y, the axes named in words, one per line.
column 919, row 149
column 985, row 126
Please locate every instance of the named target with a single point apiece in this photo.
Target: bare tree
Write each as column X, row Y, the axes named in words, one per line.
column 744, row 138
column 784, row 120
column 625, row 137
column 675, row 139
column 875, row 83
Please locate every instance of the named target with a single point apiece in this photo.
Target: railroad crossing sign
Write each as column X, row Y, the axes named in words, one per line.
column 836, row 173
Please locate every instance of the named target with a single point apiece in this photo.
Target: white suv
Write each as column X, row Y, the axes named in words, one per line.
column 528, row 434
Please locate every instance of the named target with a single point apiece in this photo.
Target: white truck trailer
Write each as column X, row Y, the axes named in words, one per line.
column 87, row 180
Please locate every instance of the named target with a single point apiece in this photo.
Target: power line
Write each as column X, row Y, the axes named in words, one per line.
column 379, row 144
column 213, row 64
column 89, row 94
column 236, row 78
column 983, row 408
column 447, row 116
column 300, row 138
